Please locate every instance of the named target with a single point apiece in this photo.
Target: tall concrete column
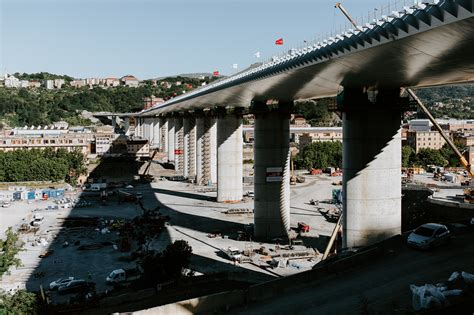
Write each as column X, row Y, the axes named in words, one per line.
column 189, row 125
column 149, row 130
column 126, row 125
column 179, row 145
column 206, row 150
column 156, row 132
column 229, row 157
column 138, row 125
column 171, row 155
column 272, row 171
column 371, row 165
column 164, row 135
column 199, row 149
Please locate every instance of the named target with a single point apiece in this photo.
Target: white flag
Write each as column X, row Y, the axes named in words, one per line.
column 235, row 66
column 257, row 54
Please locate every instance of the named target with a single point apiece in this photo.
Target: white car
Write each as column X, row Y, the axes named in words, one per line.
column 233, row 253
column 60, row 282
column 37, row 220
column 429, row 235
column 6, row 204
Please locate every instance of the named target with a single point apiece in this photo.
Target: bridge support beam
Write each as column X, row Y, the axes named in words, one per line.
column 229, row 157
column 163, row 135
column 126, row 126
column 179, row 145
column 171, row 155
column 138, row 123
column 206, row 150
column 371, row 165
column 156, row 133
column 189, row 124
column 271, row 171
column 148, row 128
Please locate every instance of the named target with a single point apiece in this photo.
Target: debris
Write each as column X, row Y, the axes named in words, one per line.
column 238, row 211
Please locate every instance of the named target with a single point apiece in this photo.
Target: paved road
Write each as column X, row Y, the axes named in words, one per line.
column 384, row 283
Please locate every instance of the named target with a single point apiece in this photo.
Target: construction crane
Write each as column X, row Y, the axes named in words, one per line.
column 448, row 140
column 346, row 14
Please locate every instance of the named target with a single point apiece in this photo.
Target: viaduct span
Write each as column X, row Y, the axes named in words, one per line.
column 419, row 46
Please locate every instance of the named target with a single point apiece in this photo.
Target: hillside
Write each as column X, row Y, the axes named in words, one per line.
column 39, row 106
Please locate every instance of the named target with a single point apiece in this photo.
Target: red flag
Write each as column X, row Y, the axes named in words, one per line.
column 279, row 41
column 215, row 73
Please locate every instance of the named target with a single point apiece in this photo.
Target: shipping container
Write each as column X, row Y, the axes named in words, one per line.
column 31, row 195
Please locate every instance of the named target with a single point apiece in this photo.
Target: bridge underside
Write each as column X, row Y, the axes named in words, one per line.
column 431, row 56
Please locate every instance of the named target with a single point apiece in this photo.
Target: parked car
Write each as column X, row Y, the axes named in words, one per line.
column 233, row 253
column 6, row 204
column 37, row 220
column 76, row 286
column 429, row 235
column 60, row 282
column 122, row 275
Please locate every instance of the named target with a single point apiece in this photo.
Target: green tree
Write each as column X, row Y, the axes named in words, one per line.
column 320, row 155
column 9, row 248
column 21, row 302
column 407, row 156
column 428, row 156
column 176, row 257
column 449, row 155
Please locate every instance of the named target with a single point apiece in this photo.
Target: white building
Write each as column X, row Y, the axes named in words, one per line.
column 24, row 84
column 78, row 83
column 11, row 82
column 58, row 83
column 130, row 81
column 49, row 84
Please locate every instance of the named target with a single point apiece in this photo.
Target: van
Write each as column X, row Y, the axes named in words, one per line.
column 37, row 220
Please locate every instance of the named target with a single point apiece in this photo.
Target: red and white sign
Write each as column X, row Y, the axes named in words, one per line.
column 279, row 41
column 178, row 151
column 274, row 174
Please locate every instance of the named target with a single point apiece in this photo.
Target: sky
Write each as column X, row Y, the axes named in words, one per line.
column 155, row 38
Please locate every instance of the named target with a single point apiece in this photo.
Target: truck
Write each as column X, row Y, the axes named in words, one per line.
column 123, row 275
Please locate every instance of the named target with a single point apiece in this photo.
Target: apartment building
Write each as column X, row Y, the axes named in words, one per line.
column 70, row 142
column 425, row 139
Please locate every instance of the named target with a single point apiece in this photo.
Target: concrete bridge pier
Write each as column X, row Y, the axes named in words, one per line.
column 171, row 146
column 156, row 132
column 126, row 125
column 163, row 135
column 138, row 123
column 229, row 156
column 206, row 149
column 199, row 149
column 371, row 165
column 179, row 145
column 189, row 125
column 148, row 129
column 271, row 170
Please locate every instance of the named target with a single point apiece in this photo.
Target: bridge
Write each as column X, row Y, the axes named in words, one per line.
column 419, row 46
